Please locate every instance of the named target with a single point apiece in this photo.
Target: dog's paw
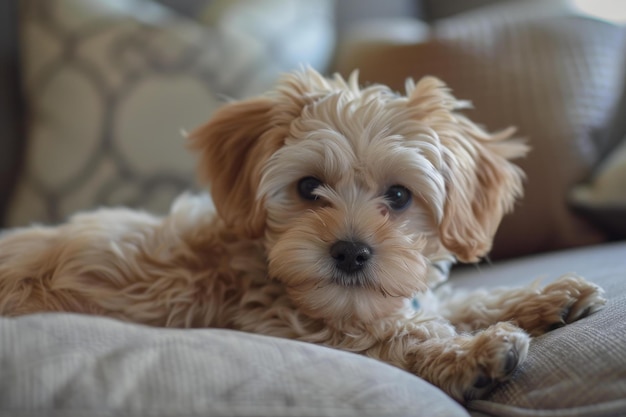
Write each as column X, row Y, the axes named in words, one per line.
column 566, row 300
column 579, row 297
column 494, row 355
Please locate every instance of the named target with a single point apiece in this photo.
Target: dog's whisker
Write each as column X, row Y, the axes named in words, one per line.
column 317, row 215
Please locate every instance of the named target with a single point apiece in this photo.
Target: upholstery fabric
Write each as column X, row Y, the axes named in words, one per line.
column 557, row 76
column 579, row 369
column 70, row 365
column 111, row 84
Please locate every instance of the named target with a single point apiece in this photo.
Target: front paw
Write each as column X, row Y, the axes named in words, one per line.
column 566, row 300
column 493, row 356
column 474, row 366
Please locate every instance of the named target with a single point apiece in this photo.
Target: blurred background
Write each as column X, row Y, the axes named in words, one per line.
column 95, row 95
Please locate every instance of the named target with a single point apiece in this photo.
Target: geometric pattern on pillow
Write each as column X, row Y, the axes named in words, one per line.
column 110, row 85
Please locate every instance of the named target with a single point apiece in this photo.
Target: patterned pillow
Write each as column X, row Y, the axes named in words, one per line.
column 111, row 84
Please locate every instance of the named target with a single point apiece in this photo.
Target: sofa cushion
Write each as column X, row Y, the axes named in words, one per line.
column 579, row 369
column 111, row 85
column 66, row 365
column 555, row 75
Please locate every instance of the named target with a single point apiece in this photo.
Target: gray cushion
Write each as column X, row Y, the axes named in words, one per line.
column 70, row 365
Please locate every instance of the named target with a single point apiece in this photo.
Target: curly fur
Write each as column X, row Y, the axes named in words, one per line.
column 259, row 260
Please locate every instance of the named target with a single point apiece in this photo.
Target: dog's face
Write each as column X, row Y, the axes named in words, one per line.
column 354, row 190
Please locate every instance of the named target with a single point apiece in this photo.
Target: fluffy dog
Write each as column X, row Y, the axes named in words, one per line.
column 334, row 205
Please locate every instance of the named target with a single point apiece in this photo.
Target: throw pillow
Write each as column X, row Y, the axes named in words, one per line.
column 111, row 84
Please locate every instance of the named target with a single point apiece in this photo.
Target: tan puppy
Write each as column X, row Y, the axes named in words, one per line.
column 333, row 204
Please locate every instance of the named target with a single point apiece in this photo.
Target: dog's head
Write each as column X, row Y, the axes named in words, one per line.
column 354, row 190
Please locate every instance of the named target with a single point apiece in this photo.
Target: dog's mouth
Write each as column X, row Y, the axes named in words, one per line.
column 360, row 280
column 353, row 280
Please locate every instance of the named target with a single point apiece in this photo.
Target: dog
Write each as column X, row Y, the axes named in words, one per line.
column 334, row 207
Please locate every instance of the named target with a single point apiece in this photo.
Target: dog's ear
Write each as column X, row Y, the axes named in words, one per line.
column 233, row 147
column 240, row 137
column 482, row 184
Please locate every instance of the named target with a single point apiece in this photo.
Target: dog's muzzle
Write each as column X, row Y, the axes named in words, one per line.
column 350, row 257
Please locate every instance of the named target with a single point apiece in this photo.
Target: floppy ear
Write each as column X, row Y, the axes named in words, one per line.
column 240, row 137
column 481, row 182
column 233, row 147
column 482, row 186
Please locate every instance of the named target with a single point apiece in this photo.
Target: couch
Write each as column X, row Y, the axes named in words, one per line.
column 94, row 94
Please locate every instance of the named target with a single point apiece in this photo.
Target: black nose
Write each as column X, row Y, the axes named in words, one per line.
column 350, row 256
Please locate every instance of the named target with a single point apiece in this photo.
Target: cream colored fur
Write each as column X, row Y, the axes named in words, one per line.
column 260, row 261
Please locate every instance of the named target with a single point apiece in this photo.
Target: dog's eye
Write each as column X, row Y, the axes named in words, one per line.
column 306, row 186
column 398, row 197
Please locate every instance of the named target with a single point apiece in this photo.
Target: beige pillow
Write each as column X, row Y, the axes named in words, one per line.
column 556, row 76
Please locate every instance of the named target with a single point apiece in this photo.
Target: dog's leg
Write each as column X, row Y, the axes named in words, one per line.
column 87, row 265
column 469, row 366
column 465, row 366
column 534, row 309
column 123, row 264
column 30, row 259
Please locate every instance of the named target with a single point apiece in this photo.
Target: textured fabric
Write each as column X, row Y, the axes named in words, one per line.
column 577, row 370
column 70, row 365
column 111, row 84
column 558, row 77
